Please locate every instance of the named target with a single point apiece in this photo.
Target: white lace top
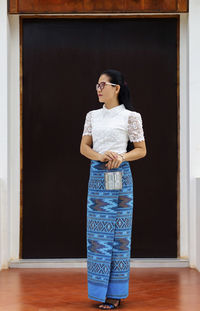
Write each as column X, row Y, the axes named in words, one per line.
column 112, row 128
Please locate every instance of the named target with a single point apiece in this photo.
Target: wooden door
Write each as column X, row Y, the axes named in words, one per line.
column 62, row 59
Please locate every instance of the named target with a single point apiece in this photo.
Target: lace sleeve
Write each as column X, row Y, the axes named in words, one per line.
column 88, row 124
column 135, row 128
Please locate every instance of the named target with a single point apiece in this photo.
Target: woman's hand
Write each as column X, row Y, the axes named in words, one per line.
column 115, row 162
column 107, row 156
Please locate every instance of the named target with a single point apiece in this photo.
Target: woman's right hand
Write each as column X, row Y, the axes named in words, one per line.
column 107, row 156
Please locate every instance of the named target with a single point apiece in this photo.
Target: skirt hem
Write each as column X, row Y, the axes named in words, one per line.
column 96, row 298
column 103, row 300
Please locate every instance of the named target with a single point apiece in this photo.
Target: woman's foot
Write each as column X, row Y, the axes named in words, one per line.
column 110, row 303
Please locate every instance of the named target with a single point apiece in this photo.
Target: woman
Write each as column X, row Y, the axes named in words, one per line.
column 110, row 188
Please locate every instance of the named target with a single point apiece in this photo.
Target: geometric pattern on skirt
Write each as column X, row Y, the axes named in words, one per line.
column 109, row 229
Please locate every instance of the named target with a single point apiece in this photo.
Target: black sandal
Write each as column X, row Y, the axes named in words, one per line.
column 111, row 305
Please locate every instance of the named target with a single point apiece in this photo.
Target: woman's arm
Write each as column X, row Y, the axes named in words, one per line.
column 138, row 152
column 136, row 136
column 86, row 150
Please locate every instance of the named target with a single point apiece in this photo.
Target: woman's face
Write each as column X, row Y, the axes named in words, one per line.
column 109, row 92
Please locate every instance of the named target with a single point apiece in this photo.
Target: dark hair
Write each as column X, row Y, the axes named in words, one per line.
column 124, row 96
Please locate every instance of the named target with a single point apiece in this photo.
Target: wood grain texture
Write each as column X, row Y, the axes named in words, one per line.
column 151, row 289
column 13, row 6
column 182, row 5
column 98, row 6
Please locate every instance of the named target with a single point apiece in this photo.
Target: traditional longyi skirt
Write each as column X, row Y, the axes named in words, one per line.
column 109, row 229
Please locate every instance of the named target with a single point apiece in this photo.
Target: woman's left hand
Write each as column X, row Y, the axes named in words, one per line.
column 114, row 163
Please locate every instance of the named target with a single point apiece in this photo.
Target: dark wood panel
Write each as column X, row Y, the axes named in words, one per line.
column 51, row 194
column 13, row 6
column 151, row 5
column 182, row 5
column 98, row 6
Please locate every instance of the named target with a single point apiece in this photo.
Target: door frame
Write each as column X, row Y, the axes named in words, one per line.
column 16, row 139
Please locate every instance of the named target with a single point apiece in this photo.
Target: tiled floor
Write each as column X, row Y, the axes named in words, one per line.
column 152, row 289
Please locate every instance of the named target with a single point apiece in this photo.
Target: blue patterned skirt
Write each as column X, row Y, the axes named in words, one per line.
column 109, row 228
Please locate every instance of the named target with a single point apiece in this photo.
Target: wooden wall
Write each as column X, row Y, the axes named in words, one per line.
column 96, row 6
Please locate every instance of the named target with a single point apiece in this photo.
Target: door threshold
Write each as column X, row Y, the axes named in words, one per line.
column 82, row 263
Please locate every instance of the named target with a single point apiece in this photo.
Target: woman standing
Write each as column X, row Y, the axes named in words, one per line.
column 110, row 188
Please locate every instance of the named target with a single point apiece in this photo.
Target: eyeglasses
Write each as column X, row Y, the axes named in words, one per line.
column 101, row 85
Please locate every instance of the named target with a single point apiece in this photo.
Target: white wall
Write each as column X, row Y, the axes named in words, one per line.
column 14, row 135
column 4, row 204
column 194, row 125
column 184, row 138
column 197, row 225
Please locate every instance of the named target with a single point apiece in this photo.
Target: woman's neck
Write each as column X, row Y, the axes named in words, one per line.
column 111, row 104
